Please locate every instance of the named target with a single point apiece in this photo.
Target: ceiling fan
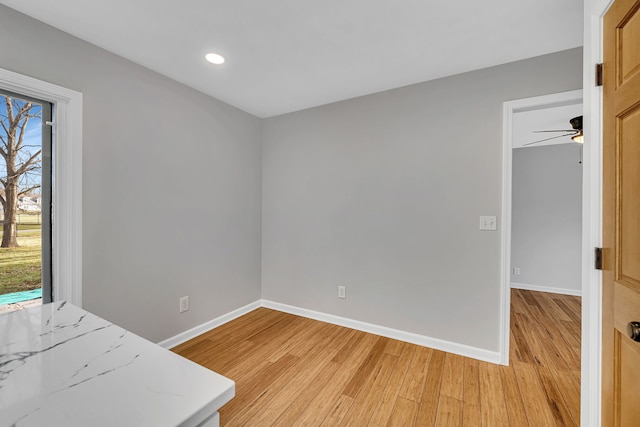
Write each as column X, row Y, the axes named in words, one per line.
column 575, row 133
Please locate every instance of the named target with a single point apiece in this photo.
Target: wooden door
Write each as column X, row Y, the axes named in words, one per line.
column 621, row 214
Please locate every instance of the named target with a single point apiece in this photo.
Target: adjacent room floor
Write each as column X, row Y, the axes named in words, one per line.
column 290, row 370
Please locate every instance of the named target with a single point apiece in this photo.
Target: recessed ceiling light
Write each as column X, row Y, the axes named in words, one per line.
column 215, row 58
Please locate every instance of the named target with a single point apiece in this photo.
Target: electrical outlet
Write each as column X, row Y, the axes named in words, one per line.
column 184, row 304
column 342, row 292
column 516, row 271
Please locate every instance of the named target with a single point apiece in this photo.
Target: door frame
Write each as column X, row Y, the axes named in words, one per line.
column 509, row 109
column 591, row 358
column 66, row 236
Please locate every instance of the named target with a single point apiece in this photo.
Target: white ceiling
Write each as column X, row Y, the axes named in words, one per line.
column 287, row 55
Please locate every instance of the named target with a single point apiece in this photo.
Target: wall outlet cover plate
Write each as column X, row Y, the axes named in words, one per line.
column 488, row 223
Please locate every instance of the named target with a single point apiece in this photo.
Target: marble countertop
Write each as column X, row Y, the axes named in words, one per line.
column 63, row 366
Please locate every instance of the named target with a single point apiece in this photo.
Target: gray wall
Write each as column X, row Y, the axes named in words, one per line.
column 546, row 233
column 383, row 194
column 171, row 183
column 380, row 193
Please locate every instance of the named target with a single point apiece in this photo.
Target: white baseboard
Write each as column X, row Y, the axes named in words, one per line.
column 207, row 326
column 435, row 343
column 550, row 289
column 448, row 346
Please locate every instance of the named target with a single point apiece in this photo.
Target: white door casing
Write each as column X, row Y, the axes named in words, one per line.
column 66, row 239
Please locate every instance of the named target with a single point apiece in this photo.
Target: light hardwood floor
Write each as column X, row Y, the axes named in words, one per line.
column 291, row 371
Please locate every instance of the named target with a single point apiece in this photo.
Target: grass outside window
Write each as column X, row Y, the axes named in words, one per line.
column 21, row 268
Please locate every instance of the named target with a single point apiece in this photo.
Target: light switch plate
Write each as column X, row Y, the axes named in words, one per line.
column 488, row 222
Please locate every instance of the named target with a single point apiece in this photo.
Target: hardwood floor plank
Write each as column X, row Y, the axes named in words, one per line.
column 358, row 355
column 250, row 389
column 519, row 335
column 323, row 403
column 559, row 346
column 555, row 348
column 575, row 304
column 367, row 366
column 471, row 415
column 453, row 376
column 554, row 358
column 429, row 403
column 248, row 371
column 413, row 384
column 544, row 324
column 493, row 407
column 569, row 335
column 532, row 340
column 517, row 302
column 471, row 394
column 555, row 401
column 529, row 297
column 471, row 385
column 270, row 352
column 573, row 328
column 404, row 413
column 326, row 398
column 321, row 335
column 191, row 349
column 533, row 395
column 513, row 398
column 234, row 332
column 550, row 306
column 341, row 339
column 283, row 345
column 371, row 392
column 394, row 347
column 276, row 330
column 269, row 403
column 338, row 411
column 352, row 343
column 569, row 309
column 382, row 411
column 449, row 412
column 249, row 325
column 569, row 387
column 300, row 402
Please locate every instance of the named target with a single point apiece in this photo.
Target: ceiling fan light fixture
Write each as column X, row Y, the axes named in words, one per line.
column 579, row 137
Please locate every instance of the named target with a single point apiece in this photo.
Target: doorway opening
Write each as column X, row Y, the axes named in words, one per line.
column 523, row 117
column 26, row 166
column 66, row 205
column 542, row 242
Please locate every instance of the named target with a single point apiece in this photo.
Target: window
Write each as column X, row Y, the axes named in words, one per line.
column 25, row 195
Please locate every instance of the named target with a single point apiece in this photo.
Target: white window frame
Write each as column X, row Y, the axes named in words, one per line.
column 66, row 238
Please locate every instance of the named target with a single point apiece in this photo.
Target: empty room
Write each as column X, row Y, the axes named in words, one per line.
column 319, row 213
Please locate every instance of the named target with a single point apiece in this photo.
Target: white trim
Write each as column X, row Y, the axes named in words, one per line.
column 505, row 250
column 67, row 192
column 509, row 108
column 207, row 326
column 591, row 373
column 550, row 289
column 448, row 346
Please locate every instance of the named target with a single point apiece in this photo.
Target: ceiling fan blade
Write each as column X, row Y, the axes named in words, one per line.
column 560, row 130
column 547, row 139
